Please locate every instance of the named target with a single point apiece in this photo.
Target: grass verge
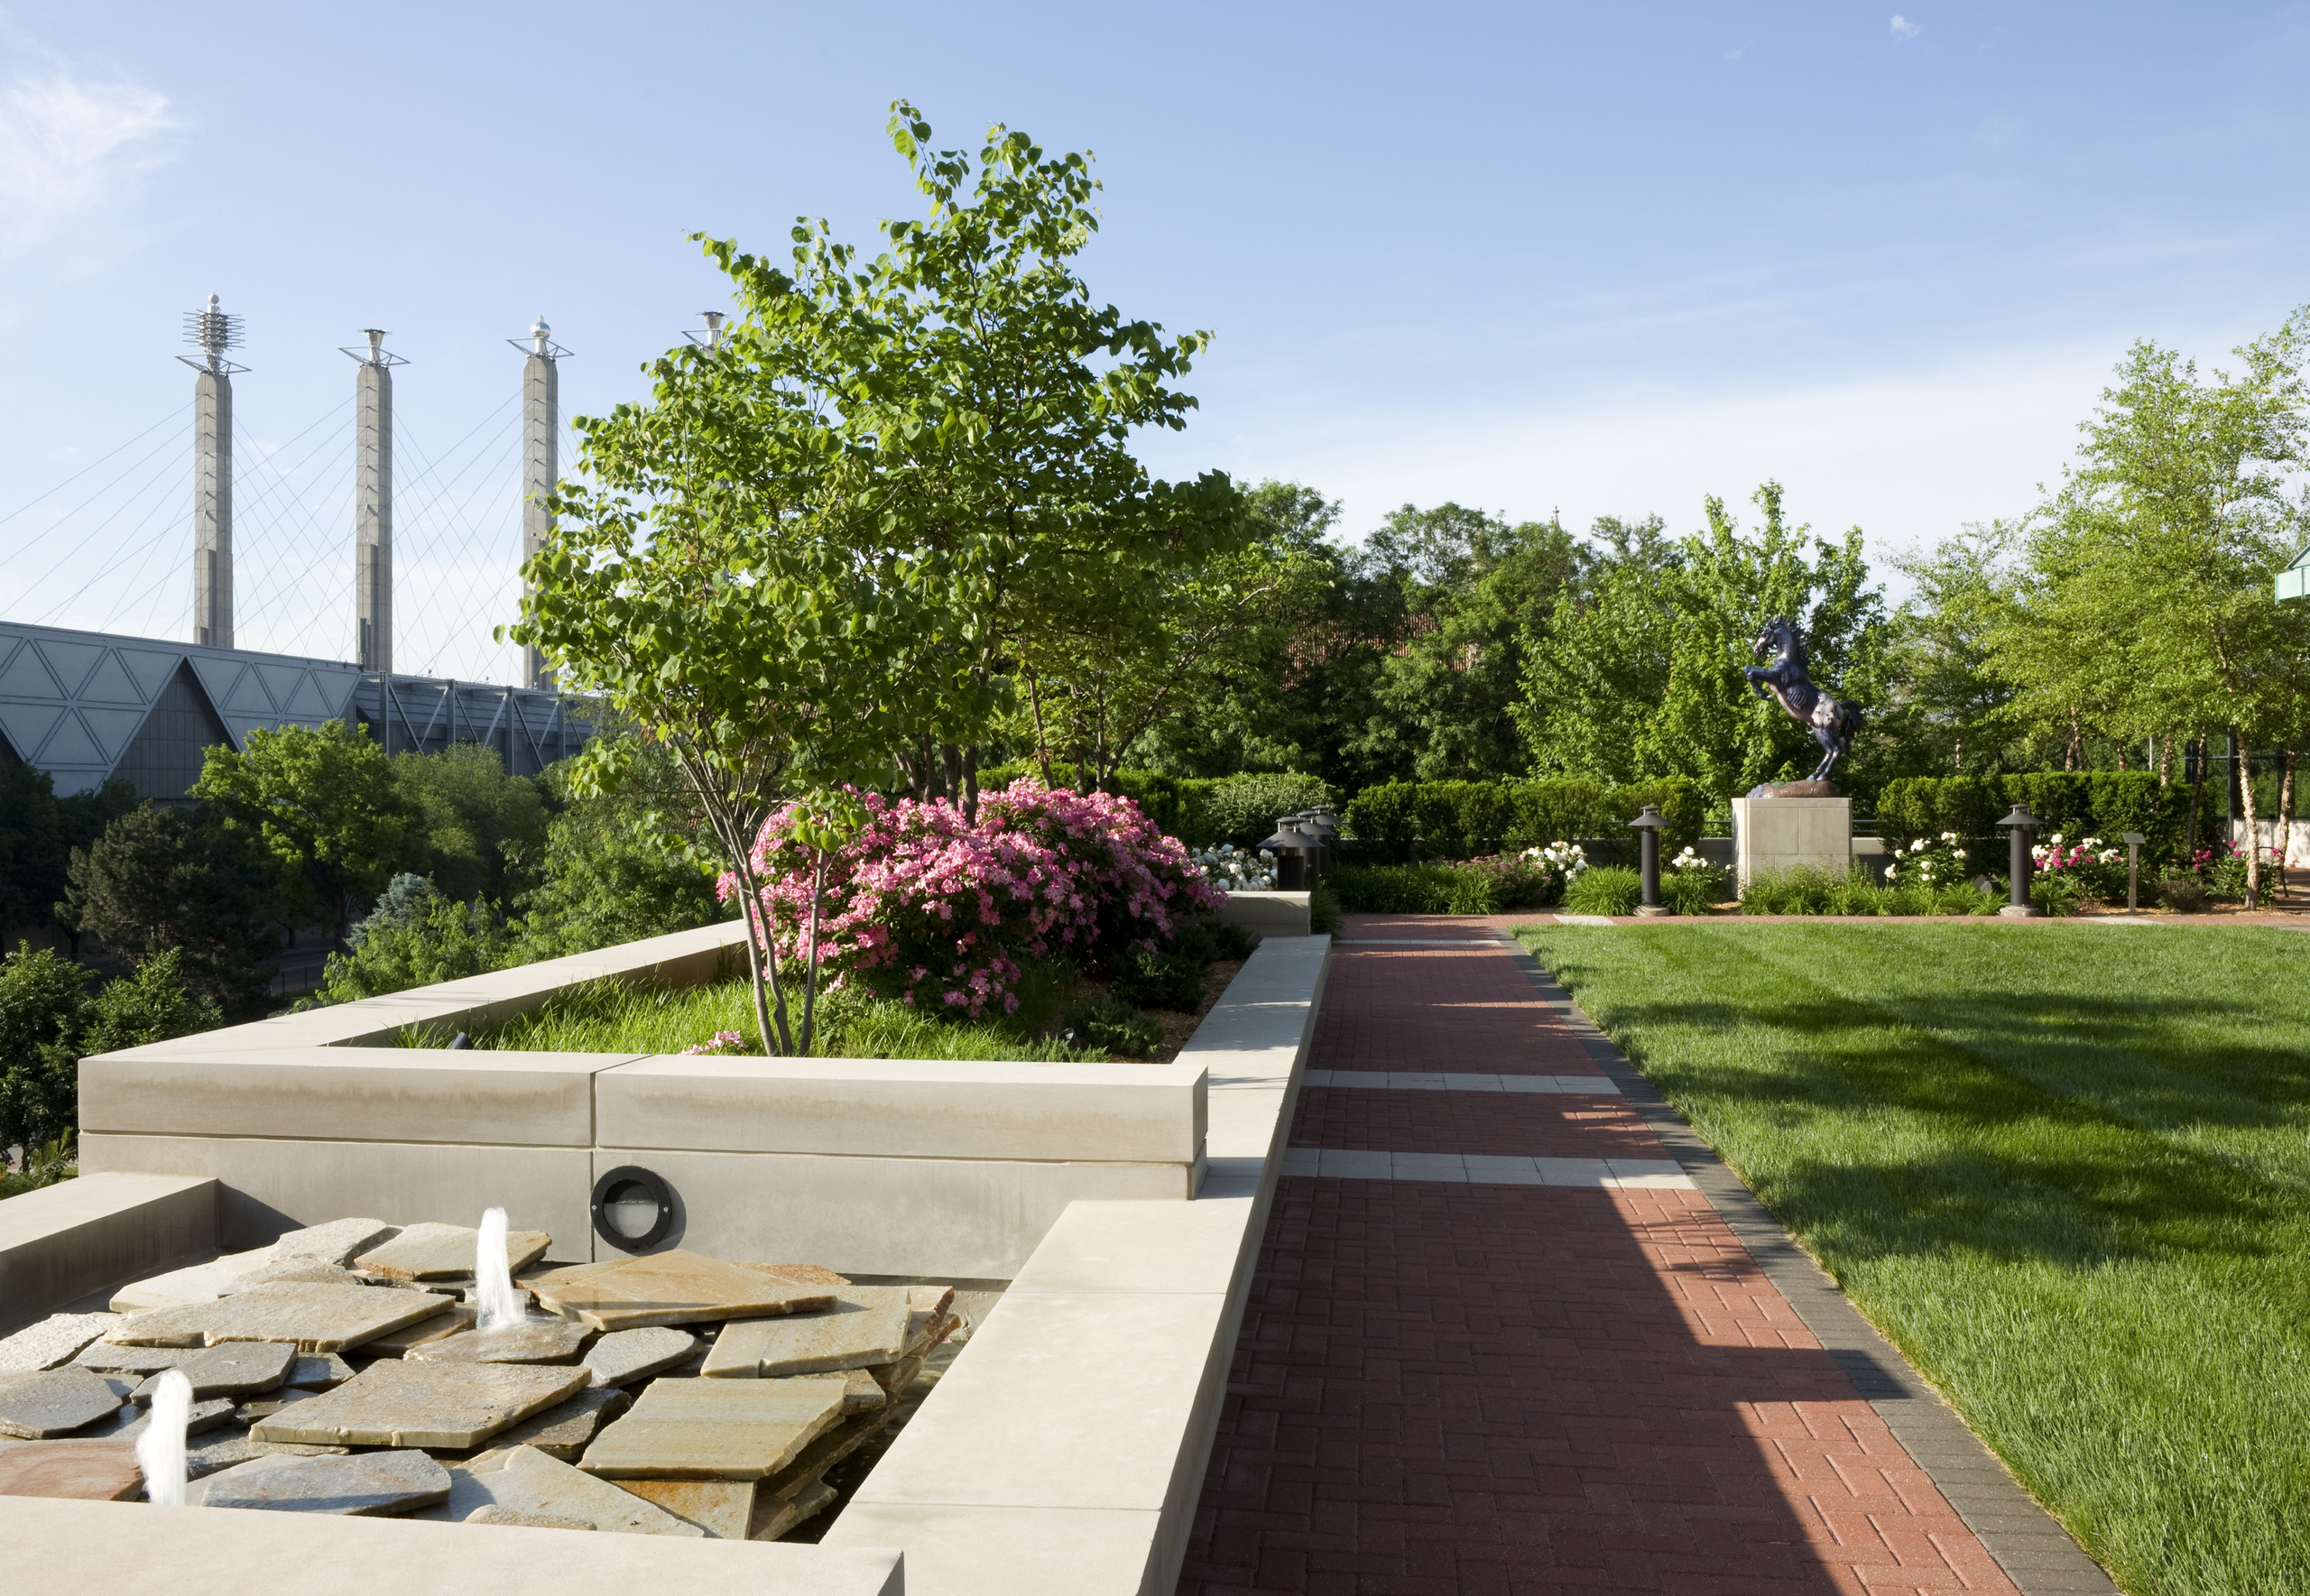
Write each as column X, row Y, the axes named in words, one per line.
column 2063, row 1167
column 608, row 1017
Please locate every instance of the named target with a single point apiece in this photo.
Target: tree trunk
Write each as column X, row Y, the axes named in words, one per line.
column 2196, row 774
column 2076, row 744
column 2164, row 754
column 970, row 783
column 2284, row 813
column 2245, row 790
column 950, row 759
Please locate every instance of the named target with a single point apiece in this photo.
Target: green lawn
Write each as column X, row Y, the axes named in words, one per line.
column 610, row 1017
column 2064, row 1167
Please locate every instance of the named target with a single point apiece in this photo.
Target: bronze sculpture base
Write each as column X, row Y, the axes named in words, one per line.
column 1779, row 789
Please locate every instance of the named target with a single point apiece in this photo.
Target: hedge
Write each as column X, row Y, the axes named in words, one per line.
column 2106, row 804
column 1430, row 889
column 1473, row 819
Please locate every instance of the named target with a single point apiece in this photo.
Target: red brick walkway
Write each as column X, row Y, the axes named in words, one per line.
column 1446, row 1388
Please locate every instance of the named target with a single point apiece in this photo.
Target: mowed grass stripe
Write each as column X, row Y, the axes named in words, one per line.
column 2067, row 1172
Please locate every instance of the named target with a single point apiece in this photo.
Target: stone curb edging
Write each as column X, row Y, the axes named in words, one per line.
column 2037, row 1554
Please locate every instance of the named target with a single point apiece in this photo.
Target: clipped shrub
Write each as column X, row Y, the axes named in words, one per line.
column 1476, row 886
column 1468, row 819
column 1608, row 888
column 1110, row 1023
column 2106, row 804
column 1213, row 942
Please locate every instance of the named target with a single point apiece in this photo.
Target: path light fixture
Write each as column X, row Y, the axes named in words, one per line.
column 1291, row 848
column 2134, row 840
column 1648, row 826
column 2019, row 825
column 1317, row 827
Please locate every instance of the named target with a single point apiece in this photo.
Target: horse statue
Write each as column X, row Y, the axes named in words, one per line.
column 1832, row 720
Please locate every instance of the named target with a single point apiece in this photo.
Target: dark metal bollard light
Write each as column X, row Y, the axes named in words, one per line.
column 2019, row 825
column 1648, row 853
column 2134, row 840
column 1291, row 849
column 1316, row 826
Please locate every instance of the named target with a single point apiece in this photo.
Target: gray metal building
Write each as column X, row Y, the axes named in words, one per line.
column 86, row 707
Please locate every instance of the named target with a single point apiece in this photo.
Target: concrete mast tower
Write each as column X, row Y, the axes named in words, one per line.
column 213, row 332
column 541, row 462
column 373, row 502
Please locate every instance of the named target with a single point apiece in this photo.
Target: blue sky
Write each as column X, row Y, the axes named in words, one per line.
column 1603, row 260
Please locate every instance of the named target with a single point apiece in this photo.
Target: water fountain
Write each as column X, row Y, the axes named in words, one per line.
column 501, row 1309
column 159, row 1450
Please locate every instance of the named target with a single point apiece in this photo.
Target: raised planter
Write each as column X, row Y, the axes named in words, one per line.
column 1064, row 1448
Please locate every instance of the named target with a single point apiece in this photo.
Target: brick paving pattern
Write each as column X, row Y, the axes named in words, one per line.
column 1472, row 1387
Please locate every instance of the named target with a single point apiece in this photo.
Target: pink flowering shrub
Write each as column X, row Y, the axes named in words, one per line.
column 928, row 908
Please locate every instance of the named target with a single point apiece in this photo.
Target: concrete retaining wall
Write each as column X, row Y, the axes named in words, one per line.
column 61, row 1243
column 874, row 1166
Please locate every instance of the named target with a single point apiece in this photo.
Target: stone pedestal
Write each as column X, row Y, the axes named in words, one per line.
column 1778, row 833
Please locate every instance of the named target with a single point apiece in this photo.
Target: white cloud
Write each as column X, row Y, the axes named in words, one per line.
column 69, row 147
column 1904, row 28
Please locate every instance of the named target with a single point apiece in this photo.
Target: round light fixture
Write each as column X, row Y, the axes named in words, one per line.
column 634, row 1208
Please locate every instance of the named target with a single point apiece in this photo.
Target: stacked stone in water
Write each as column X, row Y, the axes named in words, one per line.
column 341, row 1370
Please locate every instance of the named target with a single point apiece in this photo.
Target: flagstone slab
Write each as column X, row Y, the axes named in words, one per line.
column 366, row 1484
column 494, row 1513
column 321, row 1371
column 222, row 1448
column 307, row 1271
column 776, row 1517
column 715, row 1429
column 263, row 1407
column 626, row 1355
column 130, row 1422
column 87, row 1470
column 109, row 1358
column 821, row 1454
column 541, row 1341
column 674, row 1288
column 798, row 1274
column 565, row 1430
column 526, row 1481
column 722, row 1508
column 201, row 1282
column 398, row 1403
column 317, row 1318
column 861, row 1392
column 867, row 1324
column 338, row 1241
column 236, row 1369
column 425, row 1251
column 455, row 1318
column 54, row 1402
column 54, row 1341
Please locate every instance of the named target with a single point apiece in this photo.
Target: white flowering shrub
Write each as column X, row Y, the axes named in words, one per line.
column 1931, row 862
column 1232, row 868
column 1566, row 860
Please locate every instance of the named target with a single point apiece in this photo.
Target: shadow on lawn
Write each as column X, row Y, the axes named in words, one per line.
column 2036, row 1126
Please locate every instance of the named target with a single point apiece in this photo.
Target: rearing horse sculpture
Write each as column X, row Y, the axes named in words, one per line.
column 1832, row 721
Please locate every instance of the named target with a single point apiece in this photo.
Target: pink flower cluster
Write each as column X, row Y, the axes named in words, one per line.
column 932, row 908
column 725, row 1041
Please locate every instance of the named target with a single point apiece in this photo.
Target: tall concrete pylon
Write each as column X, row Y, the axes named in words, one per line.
column 540, row 463
column 373, row 502
column 213, row 332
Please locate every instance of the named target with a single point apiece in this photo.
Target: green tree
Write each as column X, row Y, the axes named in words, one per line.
column 43, row 1006
column 1477, row 592
column 473, row 825
column 1948, row 705
column 322, row 804
column 2146, row 600
column 1642, row 677
column 152, row 1003
column 619, row 865
column 416, row 936
column 161, row 880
